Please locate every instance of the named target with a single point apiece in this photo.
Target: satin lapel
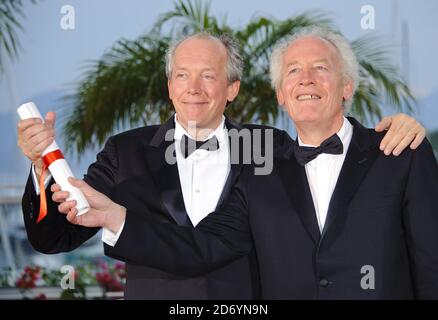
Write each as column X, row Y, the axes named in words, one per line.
column 360, row 157
column 165, row 175
column 235, row 168
column 294, row 179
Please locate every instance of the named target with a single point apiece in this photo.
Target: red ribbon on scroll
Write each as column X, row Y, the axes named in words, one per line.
column 48, row 159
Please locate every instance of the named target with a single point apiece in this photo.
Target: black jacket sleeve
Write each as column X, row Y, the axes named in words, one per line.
column 54, row 233
column 218, row 239
column 420, row 214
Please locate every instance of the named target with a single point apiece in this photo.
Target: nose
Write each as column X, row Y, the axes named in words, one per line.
column 307, row 77
column 194, row 86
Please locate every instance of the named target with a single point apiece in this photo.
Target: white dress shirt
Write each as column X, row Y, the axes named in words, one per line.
column 202, row 175
column 323, row 172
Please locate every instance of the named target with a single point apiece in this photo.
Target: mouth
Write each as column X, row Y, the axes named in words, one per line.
column 195, row 102
column 304, row 97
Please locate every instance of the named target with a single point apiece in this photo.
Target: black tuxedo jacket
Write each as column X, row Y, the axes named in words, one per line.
column 131, row 169
column 380, row 239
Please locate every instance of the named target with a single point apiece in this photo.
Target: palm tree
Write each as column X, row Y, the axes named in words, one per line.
column 127, row 86
column 10, row 10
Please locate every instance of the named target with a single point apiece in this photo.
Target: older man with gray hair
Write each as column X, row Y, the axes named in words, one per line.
column 335, row 219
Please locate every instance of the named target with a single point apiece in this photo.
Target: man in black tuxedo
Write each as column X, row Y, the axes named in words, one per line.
column 133, row 170
column 204, row 75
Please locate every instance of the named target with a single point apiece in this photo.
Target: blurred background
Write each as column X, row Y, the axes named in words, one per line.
column 99, row 64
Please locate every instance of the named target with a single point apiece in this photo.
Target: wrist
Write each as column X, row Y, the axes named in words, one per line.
column 115, row 218
column 38, row 166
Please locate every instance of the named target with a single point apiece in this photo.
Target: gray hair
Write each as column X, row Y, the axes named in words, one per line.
column 350, row 65
column 234, row 59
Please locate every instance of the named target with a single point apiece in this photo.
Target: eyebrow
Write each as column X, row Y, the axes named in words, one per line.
column 321, row 60
column 186, row 69
column 316, row 61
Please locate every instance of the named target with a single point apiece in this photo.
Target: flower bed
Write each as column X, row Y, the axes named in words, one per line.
column 98, row 280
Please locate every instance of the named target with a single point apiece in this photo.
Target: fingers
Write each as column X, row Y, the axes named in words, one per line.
column 67, row 206
column 419, row 138
column 82, row 220
column 403, row 144
column 41, row 142
column 396, row 137
column 404, row 130
column 387, row 143
column 24, row 124
column 71, row 216
column 414, row 137
column 81, row 184
column 60, row 196
column 75, row 182
column 55, row 187
column 50, row 119
column 385, row 123
column 34, row 136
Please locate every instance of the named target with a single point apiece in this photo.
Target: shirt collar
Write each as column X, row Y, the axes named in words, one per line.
column 345, row 134
column 218, row 132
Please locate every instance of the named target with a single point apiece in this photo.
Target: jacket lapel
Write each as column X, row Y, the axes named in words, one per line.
column 235, row 168
column 165, row 175
column 360, row 156
column 294, row 179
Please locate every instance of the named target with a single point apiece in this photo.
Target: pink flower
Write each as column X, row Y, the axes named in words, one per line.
column 41, row 296
column 28, row 278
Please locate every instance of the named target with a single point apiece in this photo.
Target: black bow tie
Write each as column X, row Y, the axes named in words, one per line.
column 188, row 146
column 332, row 145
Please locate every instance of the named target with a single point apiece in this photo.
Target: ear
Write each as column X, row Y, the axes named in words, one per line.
column 348, row 90
column 280, row 96
column 233, row 90
column 169, row 89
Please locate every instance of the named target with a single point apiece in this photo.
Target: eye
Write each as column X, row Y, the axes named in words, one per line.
column 181, row 76
column 321, row 68
column 293, row 70
column 208, row 76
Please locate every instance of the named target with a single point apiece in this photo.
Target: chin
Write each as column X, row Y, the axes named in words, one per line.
column 307, row 119
column 305, row 115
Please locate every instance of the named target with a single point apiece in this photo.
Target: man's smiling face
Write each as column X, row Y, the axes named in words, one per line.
column 312, row 88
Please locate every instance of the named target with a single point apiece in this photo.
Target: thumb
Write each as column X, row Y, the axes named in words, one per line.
column 385, row 123
column 80, row 184
column 50, row 118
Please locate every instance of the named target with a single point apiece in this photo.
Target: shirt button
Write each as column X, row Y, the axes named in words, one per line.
column 197, row 190
column 324, row 283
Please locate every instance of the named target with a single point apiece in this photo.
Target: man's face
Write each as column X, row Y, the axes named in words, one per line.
column 312, row 87
column 198, row 85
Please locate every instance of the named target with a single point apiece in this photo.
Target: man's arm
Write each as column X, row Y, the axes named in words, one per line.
column 218, row 240
column 146, row 239
column 54, row 233
column 420, row 217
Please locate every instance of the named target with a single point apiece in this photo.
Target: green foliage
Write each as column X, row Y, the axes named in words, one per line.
column 10, row 14
column 128, row 86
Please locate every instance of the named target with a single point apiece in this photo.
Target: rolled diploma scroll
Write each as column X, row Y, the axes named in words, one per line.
column 59, row 168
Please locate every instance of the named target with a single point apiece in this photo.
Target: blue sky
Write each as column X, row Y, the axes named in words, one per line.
column 52, row 59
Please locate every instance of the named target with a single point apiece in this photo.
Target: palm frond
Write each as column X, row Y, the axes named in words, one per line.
column 11, row 11
column 127, row 86
column 380, row 80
